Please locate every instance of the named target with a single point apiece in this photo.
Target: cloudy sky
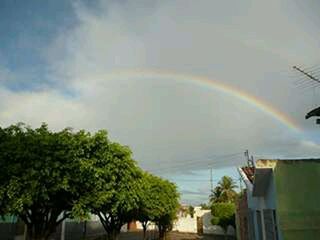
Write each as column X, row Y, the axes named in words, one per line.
column 188, row 85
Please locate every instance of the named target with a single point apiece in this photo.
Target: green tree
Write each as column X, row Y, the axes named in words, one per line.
column 223, row 203
column 191, row 211
column 223, row 215
column 148, row 201
column 158, row 203
column 204, row 206
column 167, row 206
column 118, row 183
column 40, row 176
column 224, row 191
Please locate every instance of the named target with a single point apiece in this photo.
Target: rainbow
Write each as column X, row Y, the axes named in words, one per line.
column 211, row 84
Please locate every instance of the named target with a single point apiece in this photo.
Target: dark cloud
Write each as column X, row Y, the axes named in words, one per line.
column 175, row 126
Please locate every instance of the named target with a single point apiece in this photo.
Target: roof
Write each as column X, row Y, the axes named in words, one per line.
column 272, row 163
column 249, row 172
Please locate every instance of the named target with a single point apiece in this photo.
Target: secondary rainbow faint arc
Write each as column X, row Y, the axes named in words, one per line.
column 208, row 83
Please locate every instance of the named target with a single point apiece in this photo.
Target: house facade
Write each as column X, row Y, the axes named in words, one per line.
column 281, row 200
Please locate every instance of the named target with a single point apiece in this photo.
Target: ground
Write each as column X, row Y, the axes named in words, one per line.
column 172, row 236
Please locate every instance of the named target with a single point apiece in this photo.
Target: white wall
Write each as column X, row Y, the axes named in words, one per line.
column 186, row 224
column 189, row 224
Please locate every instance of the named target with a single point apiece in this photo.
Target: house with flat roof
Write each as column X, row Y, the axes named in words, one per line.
column 281, row 200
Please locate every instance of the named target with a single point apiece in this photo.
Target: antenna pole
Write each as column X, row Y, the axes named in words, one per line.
column 315, row 112
column 250, row 161
column 306, row 74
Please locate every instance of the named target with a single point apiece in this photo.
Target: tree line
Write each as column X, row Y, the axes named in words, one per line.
column 48, row 176
column 223, row 203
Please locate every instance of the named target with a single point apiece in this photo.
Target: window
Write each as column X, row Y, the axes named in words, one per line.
column 270, row 223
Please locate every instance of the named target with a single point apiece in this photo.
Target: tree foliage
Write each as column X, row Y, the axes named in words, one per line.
column 223, row 203
column 191, row 211
column 148, row 209
column 159, row 203
column 223, row 214
column 46, row 177
column 118, row 188
column 224, row 191
column 168, row 205
column 40, row 177
column 204, row 206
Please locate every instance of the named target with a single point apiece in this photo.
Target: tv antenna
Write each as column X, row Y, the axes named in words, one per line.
column 316, row 111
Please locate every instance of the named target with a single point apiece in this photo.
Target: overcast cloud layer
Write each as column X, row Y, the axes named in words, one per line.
column 174, row 126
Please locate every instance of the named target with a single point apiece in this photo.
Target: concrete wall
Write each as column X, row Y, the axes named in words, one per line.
column 242, row 217
column 188, row 224
column 298, row 198
column 293, row 192
column 268, row 201
column 73, row 231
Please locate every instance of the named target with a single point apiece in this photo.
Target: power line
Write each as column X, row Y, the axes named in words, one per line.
column 194, row 161
column 199, row 164
column 198, row 180
column 207, row 158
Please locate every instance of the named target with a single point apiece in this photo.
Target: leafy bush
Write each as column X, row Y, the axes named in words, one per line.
column 223, row 214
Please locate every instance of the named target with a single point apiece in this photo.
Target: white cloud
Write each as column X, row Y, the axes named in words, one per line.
column 248, row 46
column 34, row 108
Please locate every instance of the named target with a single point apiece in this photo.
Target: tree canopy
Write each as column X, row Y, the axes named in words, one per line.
column 168, row 205
column 224, row 191
column 118, row 188
column 46, row 177
column 40, row 177
column 159, row 203
column 223, row 203
column 223, row 214
column 148, row 209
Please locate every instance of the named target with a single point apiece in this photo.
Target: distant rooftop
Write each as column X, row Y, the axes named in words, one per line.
column 271, row 163
column 249, row 172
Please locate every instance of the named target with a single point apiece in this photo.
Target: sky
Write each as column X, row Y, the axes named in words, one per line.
column 188, row 85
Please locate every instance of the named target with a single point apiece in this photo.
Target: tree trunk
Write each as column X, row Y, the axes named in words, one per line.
column 41, row 226
column 226, row 235
column 144, row 225
column 162, row 235
column 113, row 234
column 32, row 234
column 39, row 231
column 162, row 232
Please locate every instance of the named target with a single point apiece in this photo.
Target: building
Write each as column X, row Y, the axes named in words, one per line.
column 281, row 200
column 200, row 223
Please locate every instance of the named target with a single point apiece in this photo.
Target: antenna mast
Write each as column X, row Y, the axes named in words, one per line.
column 314, row 112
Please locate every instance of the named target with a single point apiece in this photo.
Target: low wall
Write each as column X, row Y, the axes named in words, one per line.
column 188, row 224
column 7, row 231
column 73, row 230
